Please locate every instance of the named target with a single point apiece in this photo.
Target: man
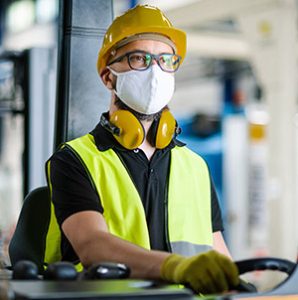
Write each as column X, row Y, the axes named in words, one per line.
column 129, row 191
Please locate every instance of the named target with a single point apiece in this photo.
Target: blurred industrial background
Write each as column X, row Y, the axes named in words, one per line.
column 236, row 101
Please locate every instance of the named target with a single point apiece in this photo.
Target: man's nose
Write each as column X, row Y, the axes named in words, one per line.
column 154, row 60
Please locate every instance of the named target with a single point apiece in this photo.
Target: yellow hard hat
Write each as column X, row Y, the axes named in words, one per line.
column 138, row 20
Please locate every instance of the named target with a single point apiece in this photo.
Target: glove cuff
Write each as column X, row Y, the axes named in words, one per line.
column 169, row 266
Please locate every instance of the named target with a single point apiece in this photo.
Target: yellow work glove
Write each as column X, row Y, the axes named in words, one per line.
column 207, row 273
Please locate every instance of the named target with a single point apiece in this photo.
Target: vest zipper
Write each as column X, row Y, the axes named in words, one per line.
column 166, row 220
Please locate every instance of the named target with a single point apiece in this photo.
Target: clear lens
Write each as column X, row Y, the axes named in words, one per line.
column 139, row 60
column 169, row 62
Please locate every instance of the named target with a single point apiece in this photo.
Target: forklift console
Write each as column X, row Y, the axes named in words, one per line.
column 87, row 285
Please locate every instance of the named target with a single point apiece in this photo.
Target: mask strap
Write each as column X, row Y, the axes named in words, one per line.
column 116, row 74
column 113, row 71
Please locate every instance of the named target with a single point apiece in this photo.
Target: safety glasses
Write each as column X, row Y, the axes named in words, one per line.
column 141, row 60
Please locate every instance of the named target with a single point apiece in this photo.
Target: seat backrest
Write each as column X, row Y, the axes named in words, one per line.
column 29, row 239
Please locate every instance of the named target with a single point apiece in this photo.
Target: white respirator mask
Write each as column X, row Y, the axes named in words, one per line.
column 147, row 91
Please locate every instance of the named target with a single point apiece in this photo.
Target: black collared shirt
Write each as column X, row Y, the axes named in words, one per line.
column 73, row 192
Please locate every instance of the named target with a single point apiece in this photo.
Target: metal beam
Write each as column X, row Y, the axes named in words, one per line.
column 200, row 12
column 218, row 45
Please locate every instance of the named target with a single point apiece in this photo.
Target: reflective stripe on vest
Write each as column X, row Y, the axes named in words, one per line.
column 188, row 209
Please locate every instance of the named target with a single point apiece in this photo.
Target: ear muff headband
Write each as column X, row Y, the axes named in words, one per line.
column 131, row 131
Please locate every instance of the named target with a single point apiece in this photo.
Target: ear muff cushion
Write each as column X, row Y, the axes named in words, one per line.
column 165, row 130
column 131, row 134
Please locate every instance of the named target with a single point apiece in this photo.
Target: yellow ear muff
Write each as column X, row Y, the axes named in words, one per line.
column 166, row 129
column 131, row 131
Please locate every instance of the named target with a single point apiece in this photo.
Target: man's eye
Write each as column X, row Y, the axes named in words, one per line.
column 138, row 58
column 167, row 59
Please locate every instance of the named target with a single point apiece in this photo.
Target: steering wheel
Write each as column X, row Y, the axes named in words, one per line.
column 261, row 264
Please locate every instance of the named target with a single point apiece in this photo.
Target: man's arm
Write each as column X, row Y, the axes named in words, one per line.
column 209, row 272
column 88, row 233
column 219, row 244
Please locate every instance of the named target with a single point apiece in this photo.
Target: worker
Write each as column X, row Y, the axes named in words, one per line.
column 129, row 191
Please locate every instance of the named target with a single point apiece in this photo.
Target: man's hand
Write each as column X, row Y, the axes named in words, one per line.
column 209, row 272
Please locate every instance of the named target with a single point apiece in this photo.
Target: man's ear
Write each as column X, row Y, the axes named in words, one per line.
column 107, row 78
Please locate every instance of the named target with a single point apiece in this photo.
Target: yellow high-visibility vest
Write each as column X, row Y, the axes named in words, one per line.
column 187, row 207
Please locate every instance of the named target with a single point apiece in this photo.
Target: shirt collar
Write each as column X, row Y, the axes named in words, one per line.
column 104, row 140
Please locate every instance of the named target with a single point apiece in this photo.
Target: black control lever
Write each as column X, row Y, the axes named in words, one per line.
column 107, row 270
column 61, row 270
column 25, row 270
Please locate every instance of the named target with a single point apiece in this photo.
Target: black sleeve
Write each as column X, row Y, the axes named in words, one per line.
column 217, row 224
column 72, row 191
